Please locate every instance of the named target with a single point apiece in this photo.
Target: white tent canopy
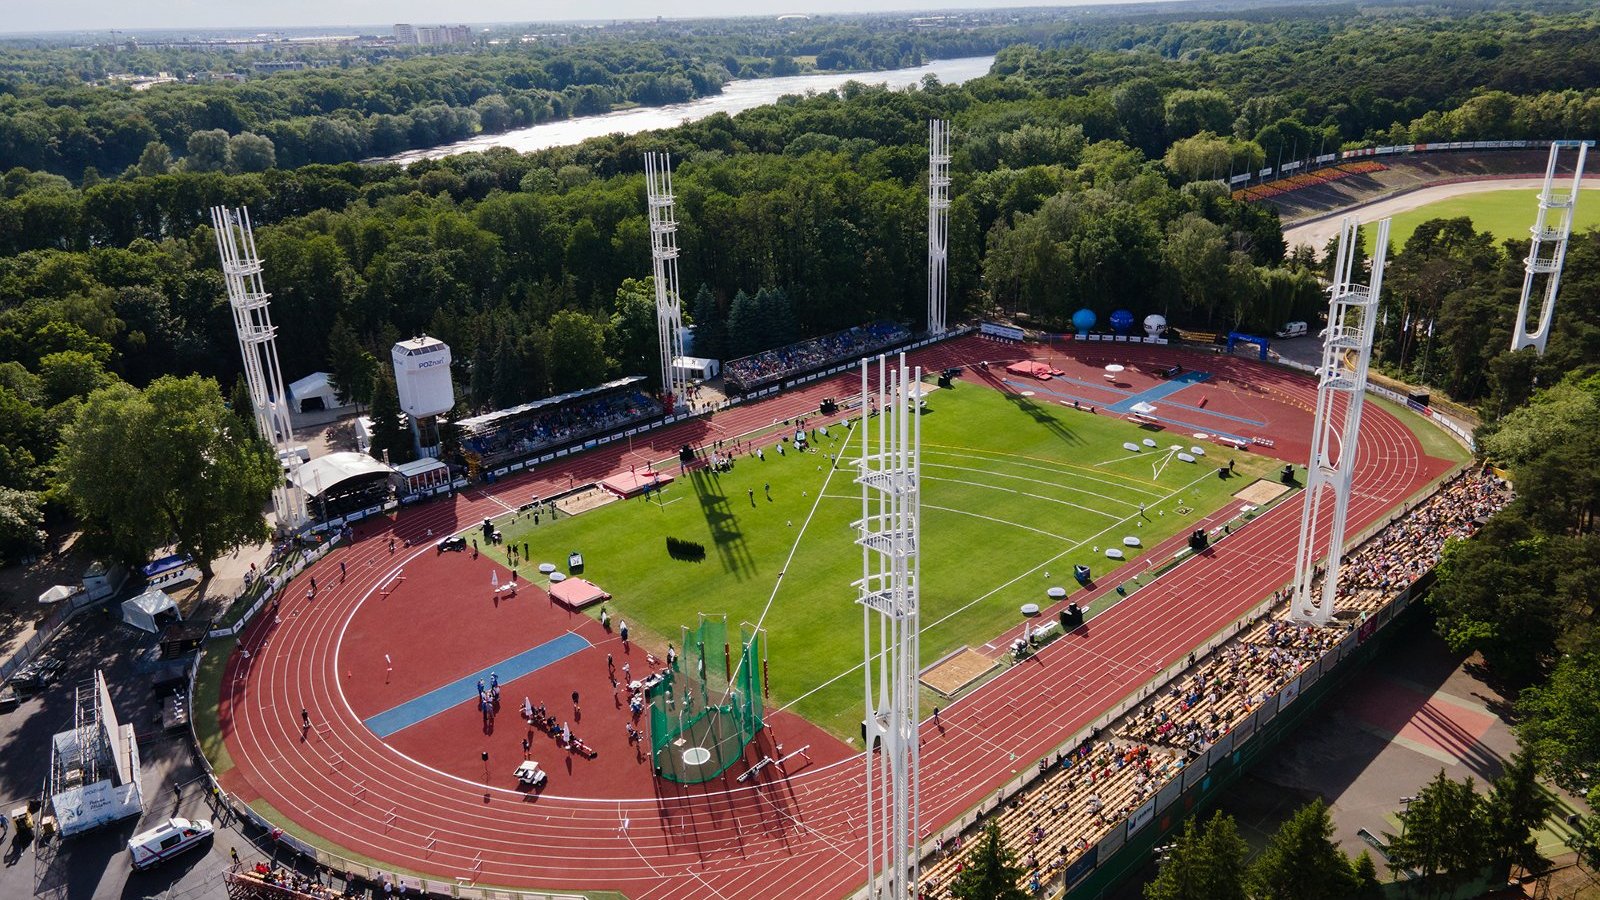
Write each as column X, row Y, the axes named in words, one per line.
column 697, row 367
column 314, row 392
column 325, row 472
column 58, row 593
column 141, row 611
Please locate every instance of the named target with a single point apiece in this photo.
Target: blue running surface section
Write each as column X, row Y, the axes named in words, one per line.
column 1165, row 389
column 464, row 689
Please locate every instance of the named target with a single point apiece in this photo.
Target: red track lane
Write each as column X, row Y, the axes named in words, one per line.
column 794, row 837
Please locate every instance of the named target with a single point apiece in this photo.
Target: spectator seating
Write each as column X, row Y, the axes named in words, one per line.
column 1082, row 794
column 759, row 369
column 547, row 428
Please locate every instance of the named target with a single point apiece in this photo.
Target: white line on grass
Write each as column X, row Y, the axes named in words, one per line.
column 778, row 583
column 995, row 487
column 996, row 590
column 1063, row 485
column 1150, row 487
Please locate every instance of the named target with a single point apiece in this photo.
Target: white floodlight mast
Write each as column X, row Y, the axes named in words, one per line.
column 664, row 260
column 1346, row 354
column 938, row 222
column 1548, row 262
column 252, row 321
column 891, row 513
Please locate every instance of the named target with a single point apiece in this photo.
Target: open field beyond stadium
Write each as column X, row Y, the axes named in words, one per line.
column 794, row 831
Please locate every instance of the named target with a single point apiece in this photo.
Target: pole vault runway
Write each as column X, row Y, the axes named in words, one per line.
column 781, row 834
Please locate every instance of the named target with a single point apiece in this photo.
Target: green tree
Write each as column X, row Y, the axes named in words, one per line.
column 577, row 351
column 1517, row 804
column 1560, row 719
column 71, row 373
column 391, row 435
column 1206, row 863
column 207, row 151
column 155, row 160
column 1442, row 834
column 1302, row 862
column 747, row 327
column 21, row 524
column 1365, row 873
column 1192, row 112
column 250, row 152
column 170, row 463
column 351, row 364
column 710, row 329
column 1141, row 114
column 992, row 872
column 634, row 336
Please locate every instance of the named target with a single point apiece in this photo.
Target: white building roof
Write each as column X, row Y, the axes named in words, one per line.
column 325, row 472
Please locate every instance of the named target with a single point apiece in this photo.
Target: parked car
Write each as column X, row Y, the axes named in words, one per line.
column 454, row 542
column 1293, row 330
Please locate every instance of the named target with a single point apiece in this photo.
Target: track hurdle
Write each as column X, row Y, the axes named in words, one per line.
column 393, row 581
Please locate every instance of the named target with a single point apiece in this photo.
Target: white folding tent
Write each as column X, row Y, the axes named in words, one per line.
column 141, row 611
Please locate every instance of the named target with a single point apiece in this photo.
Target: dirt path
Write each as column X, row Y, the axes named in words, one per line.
column 1317, row 232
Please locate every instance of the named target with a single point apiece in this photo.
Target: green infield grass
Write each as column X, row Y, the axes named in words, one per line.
column 1013, row 488
column 1505, row 214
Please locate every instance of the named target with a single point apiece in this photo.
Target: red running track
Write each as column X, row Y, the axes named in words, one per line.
column 798, row 836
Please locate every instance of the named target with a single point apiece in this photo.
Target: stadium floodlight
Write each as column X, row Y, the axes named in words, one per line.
column 664, row 263
column 1548, row 252
column 252, row 321
column 888, row 532
column 1346, row 353
column 938, row 222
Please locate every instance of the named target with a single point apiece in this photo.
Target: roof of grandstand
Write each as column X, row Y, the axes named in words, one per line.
column 500, row 416
column 325, row 473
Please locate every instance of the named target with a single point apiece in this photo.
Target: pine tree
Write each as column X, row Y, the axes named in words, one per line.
column 1516, row 805
column 353, row 366
column 506, row 386
column 482, row 383
column 1442, row 833
column 390, row 433
column 1207, row 863
column 746, row 330
column 992, row 872
column 1365, row 873
column 1301, row 860
column 777, row 316
column 710, row 329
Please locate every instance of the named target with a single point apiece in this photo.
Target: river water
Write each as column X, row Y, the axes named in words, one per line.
column 736, row 97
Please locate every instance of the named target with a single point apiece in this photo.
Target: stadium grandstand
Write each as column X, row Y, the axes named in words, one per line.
column 1086, row 798
column 507, row 435
column 770, row 366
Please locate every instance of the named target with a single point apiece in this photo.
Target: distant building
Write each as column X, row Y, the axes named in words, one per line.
column 432, row 35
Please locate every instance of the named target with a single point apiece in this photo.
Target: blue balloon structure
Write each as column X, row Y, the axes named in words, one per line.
column 1122, row 321
column 1083, row 320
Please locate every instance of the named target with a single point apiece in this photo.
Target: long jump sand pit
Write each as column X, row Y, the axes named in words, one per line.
column 1262, row 492
column 957, row 672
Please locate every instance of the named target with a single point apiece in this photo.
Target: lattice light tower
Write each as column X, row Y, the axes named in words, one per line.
column 1346, row 352
column 1548, row 252
column 252, row 321
column 664, row 259
column 891, row 514
column 938, row 222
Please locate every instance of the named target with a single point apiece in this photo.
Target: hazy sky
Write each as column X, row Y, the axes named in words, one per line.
column 93, row 15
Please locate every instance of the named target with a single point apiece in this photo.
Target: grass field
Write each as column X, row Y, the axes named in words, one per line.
column 1505, row 214
column 1012, row 489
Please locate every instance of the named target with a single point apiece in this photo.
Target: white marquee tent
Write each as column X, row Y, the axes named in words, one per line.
column 141, row 611
column 313, row 393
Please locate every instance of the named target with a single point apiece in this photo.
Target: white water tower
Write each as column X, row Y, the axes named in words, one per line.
column 422, row 374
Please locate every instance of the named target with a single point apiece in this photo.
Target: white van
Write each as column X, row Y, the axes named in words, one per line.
column 1293, row 330
column 167, row 840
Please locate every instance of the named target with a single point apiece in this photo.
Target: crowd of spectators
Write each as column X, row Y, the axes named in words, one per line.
column 288, row 882
column 523, row 436
column 1096, row 786
column 759, row 369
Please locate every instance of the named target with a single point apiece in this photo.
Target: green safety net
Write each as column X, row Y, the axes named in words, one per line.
column 707, row 708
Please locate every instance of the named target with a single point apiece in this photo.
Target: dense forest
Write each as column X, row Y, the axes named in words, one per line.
column 352, row 102
column 1084, row 175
